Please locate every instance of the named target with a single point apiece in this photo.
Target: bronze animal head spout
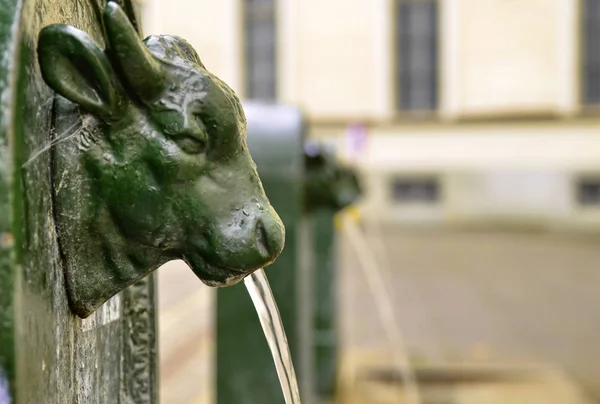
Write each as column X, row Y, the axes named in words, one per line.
column 328, row 184
column 161, row 160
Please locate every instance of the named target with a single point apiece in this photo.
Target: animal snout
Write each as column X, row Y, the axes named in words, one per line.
column 260, row 240
column 268, row 237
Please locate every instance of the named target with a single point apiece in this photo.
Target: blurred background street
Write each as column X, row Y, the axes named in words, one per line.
column 516, row 299
column 480, row 169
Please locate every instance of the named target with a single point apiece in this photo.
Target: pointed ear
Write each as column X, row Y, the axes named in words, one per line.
column 76, row 68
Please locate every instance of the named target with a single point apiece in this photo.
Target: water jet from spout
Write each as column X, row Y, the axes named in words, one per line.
column 270, row 320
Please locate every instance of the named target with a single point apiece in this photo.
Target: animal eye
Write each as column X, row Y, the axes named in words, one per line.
column 191, row 145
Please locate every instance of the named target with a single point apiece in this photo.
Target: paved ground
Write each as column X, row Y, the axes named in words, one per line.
column 502, row 297
column 505, row 297
column 474, row 383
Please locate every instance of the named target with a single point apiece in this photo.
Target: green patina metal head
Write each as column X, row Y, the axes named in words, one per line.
column 163, row 145
column 328, row 183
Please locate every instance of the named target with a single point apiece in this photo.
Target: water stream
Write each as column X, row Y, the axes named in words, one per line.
column 270, row 320
column 378, row 286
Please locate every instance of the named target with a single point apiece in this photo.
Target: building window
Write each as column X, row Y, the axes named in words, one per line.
column 260, row 49
column 419, row 190
column 591, row 51
column 588, row 191
column 417, row 55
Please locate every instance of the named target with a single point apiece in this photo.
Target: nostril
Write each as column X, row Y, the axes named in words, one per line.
column 261, row 239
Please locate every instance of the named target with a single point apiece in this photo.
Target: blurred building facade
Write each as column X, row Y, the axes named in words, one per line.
column 477, row 110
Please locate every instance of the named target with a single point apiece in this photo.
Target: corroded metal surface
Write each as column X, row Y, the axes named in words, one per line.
column 59, row 358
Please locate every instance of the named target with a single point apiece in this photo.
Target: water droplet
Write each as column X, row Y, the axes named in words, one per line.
column 245, row 212
column 259, row 206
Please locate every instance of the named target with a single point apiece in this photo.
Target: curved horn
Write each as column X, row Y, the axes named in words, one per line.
column 142, row 72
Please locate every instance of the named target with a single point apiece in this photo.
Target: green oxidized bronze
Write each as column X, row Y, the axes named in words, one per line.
column 328, row 183
column 163, row 170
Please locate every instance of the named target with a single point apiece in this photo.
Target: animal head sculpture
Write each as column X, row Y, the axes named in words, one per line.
column 328, row 183
column 163, row 144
